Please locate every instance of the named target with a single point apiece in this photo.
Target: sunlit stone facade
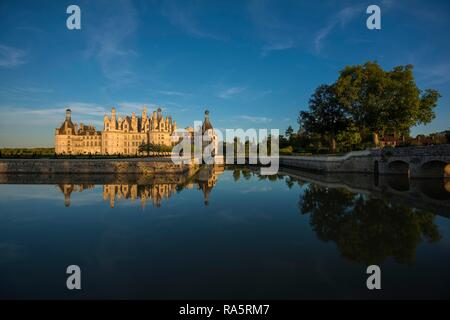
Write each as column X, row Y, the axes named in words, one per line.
column 120, row 135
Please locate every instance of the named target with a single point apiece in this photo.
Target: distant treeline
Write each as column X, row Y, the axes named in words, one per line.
column 26, row 152
column 33, row 153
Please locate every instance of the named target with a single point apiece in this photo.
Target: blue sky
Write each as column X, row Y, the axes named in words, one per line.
column 251, row 63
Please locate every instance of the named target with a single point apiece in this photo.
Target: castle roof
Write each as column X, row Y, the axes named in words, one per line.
column 66, row 125
column 206, row 123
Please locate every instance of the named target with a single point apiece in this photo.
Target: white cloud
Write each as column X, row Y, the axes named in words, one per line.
column 276, row 46
column 174, row 93
column 436, row 74
column 276, row 32
column 11, row 57
column 230, row 92
column 110, row 42
column 183, row 15
column 256, row 119
column 339, row 19
column 126, row 108
column 50, row 118
column 21, row 90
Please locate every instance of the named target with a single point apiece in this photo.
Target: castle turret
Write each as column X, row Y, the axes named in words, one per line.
column 68, row 114
column 206, row 123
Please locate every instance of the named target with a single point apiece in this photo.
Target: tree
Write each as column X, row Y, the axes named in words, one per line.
column 146, row 147
column 360, row 90
column 326, row 115
column 349, row 138
column 407, row 105
column 289, row 132
column 379, row 100
column 151, row 147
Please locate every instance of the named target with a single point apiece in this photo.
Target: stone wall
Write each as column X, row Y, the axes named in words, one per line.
column 353, row 162
column 92, row 166
column 419, row 162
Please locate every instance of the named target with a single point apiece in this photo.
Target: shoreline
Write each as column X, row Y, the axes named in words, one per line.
column 94, row 166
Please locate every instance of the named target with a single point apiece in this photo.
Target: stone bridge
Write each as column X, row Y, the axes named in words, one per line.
column 416, row 162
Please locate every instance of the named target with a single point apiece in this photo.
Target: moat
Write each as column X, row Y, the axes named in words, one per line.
column 224, row 233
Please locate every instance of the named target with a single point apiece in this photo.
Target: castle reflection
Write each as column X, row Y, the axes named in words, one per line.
column 154, row 192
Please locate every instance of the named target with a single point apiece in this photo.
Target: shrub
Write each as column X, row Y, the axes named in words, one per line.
column 287, row 150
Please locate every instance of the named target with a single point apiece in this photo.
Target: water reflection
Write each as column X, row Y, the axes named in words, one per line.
column 154, row 191
column 216, row 234
column 367, row 230
column 369, row 220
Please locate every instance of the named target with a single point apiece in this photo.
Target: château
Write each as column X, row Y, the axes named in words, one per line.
column 120, row 135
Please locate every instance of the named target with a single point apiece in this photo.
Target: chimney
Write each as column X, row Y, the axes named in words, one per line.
column 113, row 118
column 144, row 113
column 159, row 114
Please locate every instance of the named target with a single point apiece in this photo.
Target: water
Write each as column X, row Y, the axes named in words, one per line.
column 224, row 234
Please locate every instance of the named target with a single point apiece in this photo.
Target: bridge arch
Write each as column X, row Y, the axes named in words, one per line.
column 399, row 167
column 435, row 169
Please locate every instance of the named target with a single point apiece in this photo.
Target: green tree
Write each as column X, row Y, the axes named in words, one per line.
column 289, row 132
column 146, row 147
column 349, row 138
column 379, row 100
column 326, row 115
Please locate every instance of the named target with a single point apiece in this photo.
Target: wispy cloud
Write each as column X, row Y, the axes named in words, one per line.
column 231, row 92
column 255, row 119
column 276, row 46
column 11, row 57
column 88, row 113
column 276, row 32
column 436, row 74
column 183, row 15
column 339, row 19
column 21, row 90
column 110, row 41
column 174, row 93
column 127, row 107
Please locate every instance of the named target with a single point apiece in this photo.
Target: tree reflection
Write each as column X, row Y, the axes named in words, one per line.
column 367, row 230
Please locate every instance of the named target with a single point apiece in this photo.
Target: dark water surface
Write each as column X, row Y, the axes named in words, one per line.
column 224, row 234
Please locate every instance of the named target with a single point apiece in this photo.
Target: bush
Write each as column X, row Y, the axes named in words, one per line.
column 287, row 150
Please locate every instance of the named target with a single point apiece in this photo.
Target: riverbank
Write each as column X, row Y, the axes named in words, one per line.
column 95, row 166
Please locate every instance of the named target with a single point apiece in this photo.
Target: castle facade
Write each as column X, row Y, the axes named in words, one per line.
column 120, row 135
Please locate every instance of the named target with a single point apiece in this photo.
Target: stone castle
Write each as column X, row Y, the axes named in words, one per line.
column 120, row 135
